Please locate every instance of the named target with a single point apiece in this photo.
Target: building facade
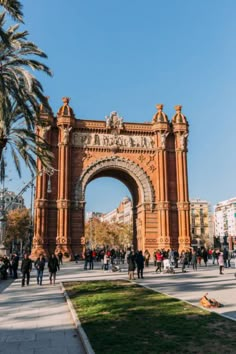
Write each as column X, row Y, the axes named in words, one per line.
column 10, row 201
column 149, row 158
column 201, row 222
column 225, row 221
column 123, row 214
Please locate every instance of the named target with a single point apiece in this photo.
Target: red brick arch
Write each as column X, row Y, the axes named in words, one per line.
column 150, row 158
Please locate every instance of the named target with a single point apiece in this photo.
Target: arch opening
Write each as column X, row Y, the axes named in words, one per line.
column 129, row 173
column 109, row 217
column 132, row 176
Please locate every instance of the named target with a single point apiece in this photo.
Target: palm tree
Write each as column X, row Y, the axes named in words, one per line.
column 14, row 8
column 18, row 86
column 22, row 142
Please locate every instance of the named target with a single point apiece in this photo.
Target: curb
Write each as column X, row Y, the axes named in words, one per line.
column 83, row 336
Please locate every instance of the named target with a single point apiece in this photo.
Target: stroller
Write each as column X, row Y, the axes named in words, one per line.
column 168, row 268
column 115, row 268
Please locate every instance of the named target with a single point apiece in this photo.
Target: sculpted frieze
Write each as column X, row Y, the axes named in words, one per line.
column 109, row 140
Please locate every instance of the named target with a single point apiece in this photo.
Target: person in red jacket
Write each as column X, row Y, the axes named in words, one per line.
column 159, row 259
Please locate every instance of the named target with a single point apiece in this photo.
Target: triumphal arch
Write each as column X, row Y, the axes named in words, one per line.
column 149, row 158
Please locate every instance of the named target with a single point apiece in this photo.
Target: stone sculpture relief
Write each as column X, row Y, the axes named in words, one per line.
column 109, row 140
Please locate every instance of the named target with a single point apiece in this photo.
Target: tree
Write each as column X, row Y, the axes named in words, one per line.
column 99, row 233
column 17, row 226
column 18, row 87
column 23, row 143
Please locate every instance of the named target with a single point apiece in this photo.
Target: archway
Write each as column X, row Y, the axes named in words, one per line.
column 108, row 214
column 149, row 158
column 128, row 173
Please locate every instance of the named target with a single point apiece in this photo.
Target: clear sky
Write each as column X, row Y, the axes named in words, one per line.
column 129, row 55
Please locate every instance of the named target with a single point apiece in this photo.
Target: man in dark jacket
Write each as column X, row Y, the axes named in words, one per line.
column 140, row 264
column 26, row 267
column 39, row 265
column 14, row 264
column 53, row 267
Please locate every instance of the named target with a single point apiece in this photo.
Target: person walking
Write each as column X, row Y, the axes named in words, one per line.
column 53, row 267
column 91, row 258
column 205, row 256
column 199, row 256
column 147, row 258
column 106, row 261
column 140, row 264
column 221, row 262
column 159, row 259
column 214, row 257
column 194, row 260
column 131, row 265
column 86, row 258
column 184, row 260
column 26, row 267
column 39, row 265
column 60, row 257
column 14, row 264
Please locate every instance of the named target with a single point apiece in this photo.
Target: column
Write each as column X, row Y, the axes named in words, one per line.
column 40, row 240
column 162, row 128
column 180, row 128
column 65, row 122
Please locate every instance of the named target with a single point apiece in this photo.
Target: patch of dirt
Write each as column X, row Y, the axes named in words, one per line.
column 164, row 335
column 192, row 317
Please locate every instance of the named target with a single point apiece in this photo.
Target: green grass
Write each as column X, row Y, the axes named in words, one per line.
column 122, row 317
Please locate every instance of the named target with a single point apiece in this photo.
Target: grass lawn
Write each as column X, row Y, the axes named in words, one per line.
column 122, row 317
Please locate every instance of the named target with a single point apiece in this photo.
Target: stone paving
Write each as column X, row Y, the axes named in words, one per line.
column 36, row 319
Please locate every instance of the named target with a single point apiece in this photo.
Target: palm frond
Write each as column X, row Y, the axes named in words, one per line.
column 14, row 8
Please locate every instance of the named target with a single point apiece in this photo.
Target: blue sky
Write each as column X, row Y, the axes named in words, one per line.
column 129, row 55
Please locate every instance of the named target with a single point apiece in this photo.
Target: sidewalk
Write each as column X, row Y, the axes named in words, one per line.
column 36, row 320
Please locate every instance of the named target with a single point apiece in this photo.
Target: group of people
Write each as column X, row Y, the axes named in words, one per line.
column 40, row 263
column 192, row 258
column 106, row 256
column 135, row 260
column 164, row 260
column 9, row 267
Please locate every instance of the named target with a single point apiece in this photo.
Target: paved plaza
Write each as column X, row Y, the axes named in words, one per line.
column 36, row 319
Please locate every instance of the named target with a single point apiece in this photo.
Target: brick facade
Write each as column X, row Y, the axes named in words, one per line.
column 149, row 158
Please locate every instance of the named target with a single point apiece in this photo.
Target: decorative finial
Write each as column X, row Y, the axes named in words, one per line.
column 66, row 100
column 159, row 107
column 65, row 110
column 178, row 108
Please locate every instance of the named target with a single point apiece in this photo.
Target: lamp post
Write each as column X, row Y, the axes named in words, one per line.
column 2, row 221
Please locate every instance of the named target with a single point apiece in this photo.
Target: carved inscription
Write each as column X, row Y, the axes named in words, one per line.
column 108, row 140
